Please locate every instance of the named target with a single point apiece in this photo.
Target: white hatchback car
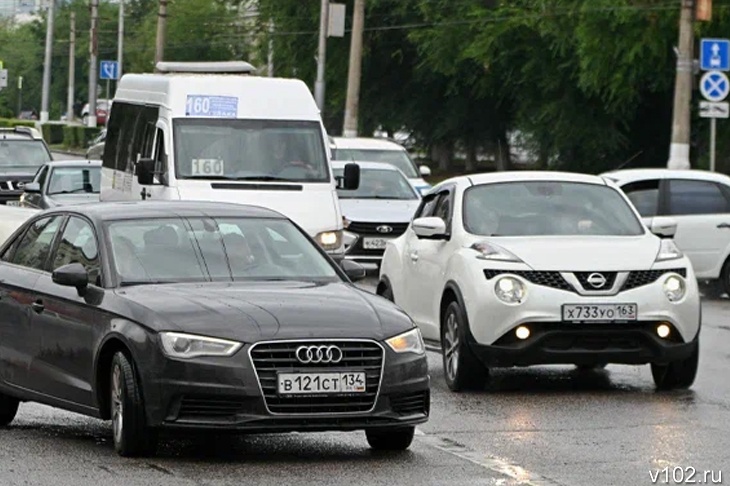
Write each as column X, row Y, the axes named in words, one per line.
column 523, row 268
column 381, row 150
column 700, row 203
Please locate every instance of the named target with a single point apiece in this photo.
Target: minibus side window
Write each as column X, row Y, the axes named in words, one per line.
column 111, row 145
column 125, row 151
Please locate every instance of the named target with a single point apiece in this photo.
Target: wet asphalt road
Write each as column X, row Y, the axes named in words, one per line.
column 547, row 425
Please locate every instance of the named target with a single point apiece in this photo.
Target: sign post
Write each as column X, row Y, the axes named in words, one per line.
column 714, row 86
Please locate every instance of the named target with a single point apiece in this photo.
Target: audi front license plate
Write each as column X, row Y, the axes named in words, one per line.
column 321, row 383
column 599, row 312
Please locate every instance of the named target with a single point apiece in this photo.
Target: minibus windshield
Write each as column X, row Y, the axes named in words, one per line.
column 256, row 150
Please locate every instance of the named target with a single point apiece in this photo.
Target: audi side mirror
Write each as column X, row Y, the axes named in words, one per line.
column 353, row 270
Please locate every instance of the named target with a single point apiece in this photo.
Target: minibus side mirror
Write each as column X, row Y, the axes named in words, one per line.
column 351, row 179
column 145, row 171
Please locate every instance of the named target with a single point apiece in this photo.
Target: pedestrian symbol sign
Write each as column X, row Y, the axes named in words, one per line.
column 714, row 86
column 715, row 55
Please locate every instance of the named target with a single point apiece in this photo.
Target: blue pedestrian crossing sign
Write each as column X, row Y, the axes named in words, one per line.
column 715, row 55
column 109, row 70
column 714, row 85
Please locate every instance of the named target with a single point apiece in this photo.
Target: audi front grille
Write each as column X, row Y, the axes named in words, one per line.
column 271, row 358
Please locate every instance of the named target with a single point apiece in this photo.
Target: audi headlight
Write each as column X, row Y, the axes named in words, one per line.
column 674, row 288
column 490, row 251
column 179, row 345
column 329, row 240
column 408, row 342
column 668, row 251
column 509, row 290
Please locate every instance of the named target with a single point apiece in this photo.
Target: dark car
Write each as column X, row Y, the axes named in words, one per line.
column 63, row 183
column 22, row 152
column 195, row 315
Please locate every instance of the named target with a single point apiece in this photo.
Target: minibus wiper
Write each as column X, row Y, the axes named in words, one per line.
column 262, row 178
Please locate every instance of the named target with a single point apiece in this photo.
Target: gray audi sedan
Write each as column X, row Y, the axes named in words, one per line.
column 206, row 316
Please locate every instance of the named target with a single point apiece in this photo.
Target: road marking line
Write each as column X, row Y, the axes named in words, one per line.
column 492, row 463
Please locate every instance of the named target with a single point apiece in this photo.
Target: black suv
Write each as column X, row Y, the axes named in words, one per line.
column 22, row 153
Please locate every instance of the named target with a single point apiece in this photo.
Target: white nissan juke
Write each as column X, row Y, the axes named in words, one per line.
column 525, row 268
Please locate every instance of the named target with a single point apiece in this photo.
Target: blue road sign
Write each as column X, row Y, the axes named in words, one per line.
column 715, row 55
column 109, row 70
column 714, row 85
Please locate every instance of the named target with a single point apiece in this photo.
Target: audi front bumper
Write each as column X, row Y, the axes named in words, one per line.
column 234, row 394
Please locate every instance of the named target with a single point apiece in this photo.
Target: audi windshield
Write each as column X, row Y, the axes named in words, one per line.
column 214, row 249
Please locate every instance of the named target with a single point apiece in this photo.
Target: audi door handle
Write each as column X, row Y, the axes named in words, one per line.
column 723, row 225
column 414, row 256
column 38, row 306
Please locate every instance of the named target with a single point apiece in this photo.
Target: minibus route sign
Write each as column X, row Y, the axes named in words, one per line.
column 212, row 106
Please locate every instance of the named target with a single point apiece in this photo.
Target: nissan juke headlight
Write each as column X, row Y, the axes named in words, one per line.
column 509, row 290
column 674, row 288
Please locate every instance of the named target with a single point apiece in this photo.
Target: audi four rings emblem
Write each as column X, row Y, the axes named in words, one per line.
column 319, row 354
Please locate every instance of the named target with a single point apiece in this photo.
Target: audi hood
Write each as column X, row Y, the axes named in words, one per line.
column 257, row 310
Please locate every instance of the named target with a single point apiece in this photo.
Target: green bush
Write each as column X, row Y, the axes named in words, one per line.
column 52, row 133
column 85, row 134
column 11, row 122
column 69, row 136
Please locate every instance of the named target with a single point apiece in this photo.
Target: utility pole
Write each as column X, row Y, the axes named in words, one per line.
column 161, row 26
column 93, row 52
column 120, row 40
column 20, row 95
column 353, row 74
column 319, row 85
column 679, row 149
column 45, row 94
column 270, row 57
column 71, row 69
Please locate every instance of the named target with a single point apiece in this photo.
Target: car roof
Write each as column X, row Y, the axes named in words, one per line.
column 130, row 210
column 340, row 164
column 20, row 133
column 632, row 175
column 74, row 163
column 363, row 143
column 527, row 175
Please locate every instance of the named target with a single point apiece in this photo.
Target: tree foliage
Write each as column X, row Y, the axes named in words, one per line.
column 580, row 84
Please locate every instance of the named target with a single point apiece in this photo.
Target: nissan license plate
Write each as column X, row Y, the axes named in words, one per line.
column 321, row 383
column 599, row 312
column 374, row 243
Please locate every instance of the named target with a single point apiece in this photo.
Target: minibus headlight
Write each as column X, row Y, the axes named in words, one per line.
column 329, row 240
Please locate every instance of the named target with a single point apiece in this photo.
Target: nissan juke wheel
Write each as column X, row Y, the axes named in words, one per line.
column 8, row 409
column 462, row 370
column 678, row 374
column 390, row 439
column 131, row 435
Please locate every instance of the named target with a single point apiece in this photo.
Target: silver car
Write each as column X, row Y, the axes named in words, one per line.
column 378, row 211
column 63, row 182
